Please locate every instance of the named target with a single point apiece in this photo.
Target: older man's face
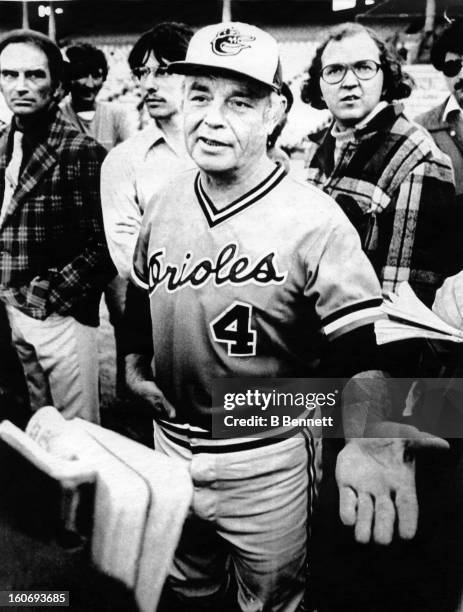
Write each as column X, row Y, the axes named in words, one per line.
column 226, row 124
column 353, row 98
column 455, row 83
column 25, row 79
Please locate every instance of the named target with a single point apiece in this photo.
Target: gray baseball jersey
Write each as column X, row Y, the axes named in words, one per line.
column 249, row 290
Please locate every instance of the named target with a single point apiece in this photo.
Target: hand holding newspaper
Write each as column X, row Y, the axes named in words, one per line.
column 409, row 318
column 141, row 500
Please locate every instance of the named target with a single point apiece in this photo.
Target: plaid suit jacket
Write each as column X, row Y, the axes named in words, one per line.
column 397, row 189
column 53, row 253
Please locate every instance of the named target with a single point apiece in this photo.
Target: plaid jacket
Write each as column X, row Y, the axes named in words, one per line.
column 397, row 189
column 53, row 254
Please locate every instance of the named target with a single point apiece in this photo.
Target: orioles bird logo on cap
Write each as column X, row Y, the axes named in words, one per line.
column 230, row 42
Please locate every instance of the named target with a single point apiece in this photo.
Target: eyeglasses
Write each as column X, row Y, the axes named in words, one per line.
column 364, row 70
column 452, row 67
column 142, row 72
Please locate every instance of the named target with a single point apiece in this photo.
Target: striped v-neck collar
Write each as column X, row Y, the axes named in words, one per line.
column 215, row 216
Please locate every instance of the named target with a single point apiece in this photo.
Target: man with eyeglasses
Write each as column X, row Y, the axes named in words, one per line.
column 134, row 170
column 54, row 261
column 397, row 189
column 393, row 184
column 445, row 121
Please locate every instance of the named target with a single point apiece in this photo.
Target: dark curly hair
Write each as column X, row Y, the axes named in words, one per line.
column 85, row 58
column 397, row 84
column 450, row 39
column 168, row 40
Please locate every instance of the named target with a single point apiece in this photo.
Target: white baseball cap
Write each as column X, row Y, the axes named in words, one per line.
column 238, row 48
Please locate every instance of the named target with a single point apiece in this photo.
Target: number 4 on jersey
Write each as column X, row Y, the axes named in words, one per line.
column 233, row 328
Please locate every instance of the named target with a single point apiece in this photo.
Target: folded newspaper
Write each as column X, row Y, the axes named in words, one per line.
column 50, row 496
column 142, row 497
column 408, row 317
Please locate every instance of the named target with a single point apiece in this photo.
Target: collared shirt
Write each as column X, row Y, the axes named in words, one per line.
column 444, row 123
column 377, row 109
column 452, row 106
column 131, row 174
column 343, row 136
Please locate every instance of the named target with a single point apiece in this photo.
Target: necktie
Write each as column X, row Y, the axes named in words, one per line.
column 12, row 172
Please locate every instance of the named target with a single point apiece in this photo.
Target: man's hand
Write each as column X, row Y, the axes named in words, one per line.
column 140, row 382
column 376, row 480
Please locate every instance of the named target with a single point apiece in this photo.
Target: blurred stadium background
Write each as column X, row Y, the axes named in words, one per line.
column 113, row 25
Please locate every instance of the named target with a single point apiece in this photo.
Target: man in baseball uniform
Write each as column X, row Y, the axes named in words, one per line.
column 249, row 273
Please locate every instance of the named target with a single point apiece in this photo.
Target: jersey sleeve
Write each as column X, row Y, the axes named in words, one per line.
column 341, row 281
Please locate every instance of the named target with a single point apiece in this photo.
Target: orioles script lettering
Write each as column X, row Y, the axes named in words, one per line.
column 228, row 267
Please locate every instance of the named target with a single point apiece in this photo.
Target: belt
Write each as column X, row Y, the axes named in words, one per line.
column 199, row 440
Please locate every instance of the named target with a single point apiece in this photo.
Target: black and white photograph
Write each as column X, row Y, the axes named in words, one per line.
column 231, row 305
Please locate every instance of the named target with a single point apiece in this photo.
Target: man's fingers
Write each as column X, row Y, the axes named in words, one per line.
column 169, row 409
column 347, row 506
column 407, row 512
column 162, row 406
column 384, row 520
column 364, row 518
column 153, row 398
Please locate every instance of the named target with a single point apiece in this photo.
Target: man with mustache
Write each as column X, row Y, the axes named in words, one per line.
column 133, row 171
column 396, row 187
column 445, row 124
column 445, row 121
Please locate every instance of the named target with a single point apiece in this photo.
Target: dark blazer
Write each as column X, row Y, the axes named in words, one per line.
column 53, row 253
column 446, row 139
